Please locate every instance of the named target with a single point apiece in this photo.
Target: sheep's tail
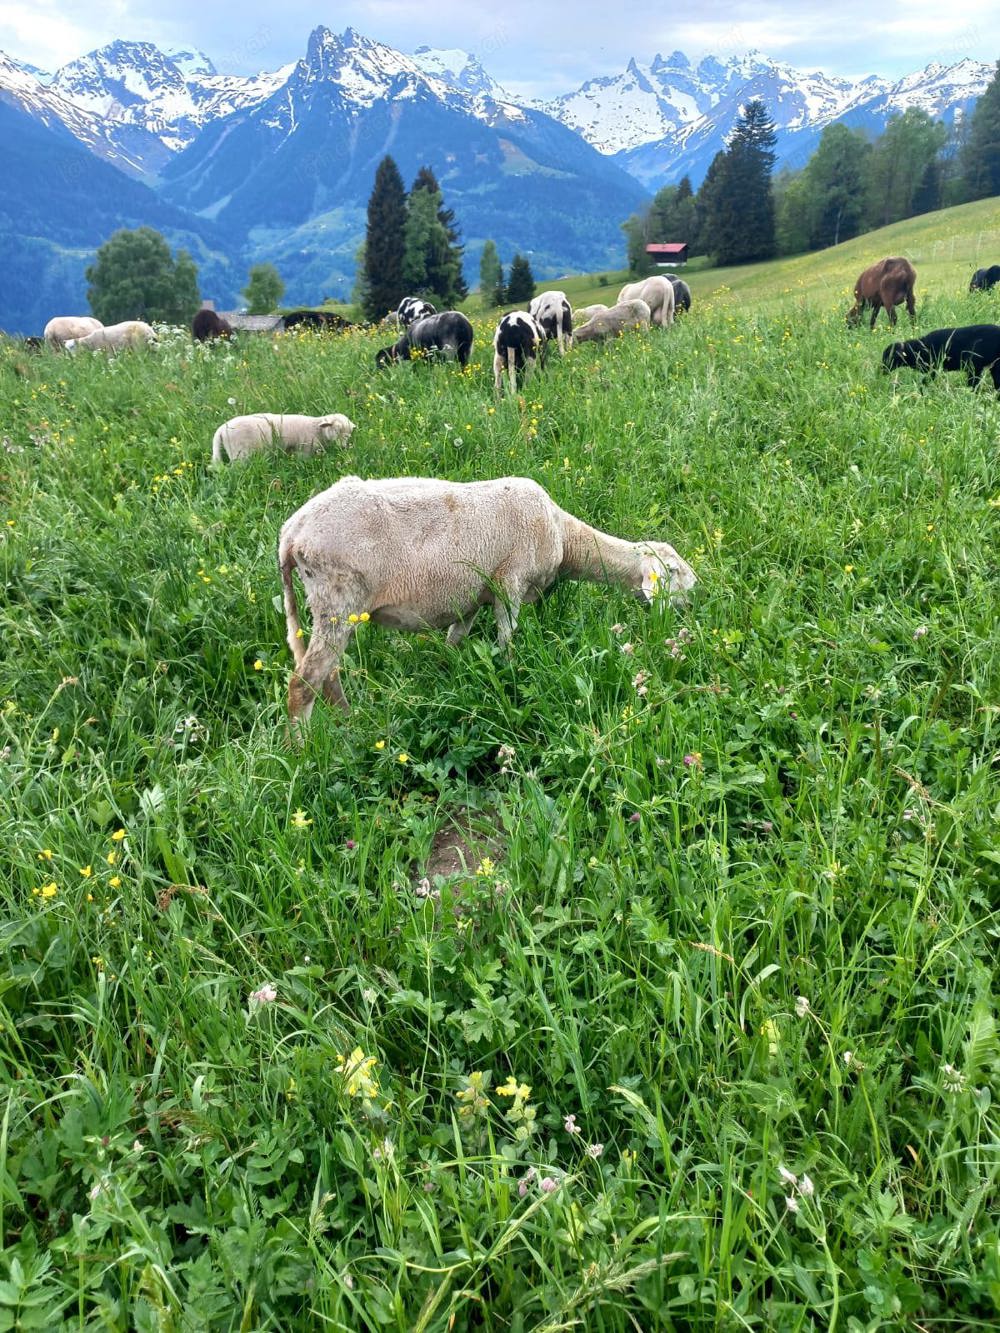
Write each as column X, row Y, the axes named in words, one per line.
column 286, row 562
column 217, row 446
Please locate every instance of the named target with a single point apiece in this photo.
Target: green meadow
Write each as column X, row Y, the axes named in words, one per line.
column 645, row 979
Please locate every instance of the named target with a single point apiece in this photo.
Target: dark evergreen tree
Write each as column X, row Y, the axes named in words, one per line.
column 707, row 203
column 980, row 159
column 444, row 250
column 384, row 242
column 743, row 225
column 134, row 276
column 521, row 282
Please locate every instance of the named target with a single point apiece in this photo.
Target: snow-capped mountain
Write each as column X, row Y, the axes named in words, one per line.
column 296, row 171
column 461, row 70
column 170, row 94
column 668, row 118
column 130, row 148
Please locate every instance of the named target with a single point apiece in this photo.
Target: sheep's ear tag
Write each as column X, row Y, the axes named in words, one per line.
column 651, row 579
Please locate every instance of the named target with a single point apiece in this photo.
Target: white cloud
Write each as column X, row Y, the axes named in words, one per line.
column 528, row 45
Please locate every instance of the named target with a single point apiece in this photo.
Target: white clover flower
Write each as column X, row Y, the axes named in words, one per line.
column 791, row 1203
column 801, row 1006
column 952, row 1079
column 806, row 1188
column 594, row 1150
column 787, row 1176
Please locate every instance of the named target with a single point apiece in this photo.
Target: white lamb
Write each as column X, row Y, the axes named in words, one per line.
column 62, row 328
column 240, row 437
column 583, row 313
column 417, row 552
column 657, row 292
column 113, row 337
column 609, row 323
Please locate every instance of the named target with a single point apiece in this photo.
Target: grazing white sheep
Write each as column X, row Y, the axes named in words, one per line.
column 554, row 313
column 240, row 437
column 62, row 328
column 417, row 552
column 517, row 344
column 609, row 323
column 584, row 313
column 657, row 292
column 113, row 337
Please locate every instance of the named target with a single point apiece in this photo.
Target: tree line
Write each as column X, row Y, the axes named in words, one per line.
column 412, row 247
column 851, row 184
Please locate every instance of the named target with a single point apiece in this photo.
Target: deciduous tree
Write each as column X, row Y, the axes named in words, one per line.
column 264, row 289
column 134, row 276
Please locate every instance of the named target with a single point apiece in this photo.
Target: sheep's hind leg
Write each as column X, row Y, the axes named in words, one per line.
column 458, row 629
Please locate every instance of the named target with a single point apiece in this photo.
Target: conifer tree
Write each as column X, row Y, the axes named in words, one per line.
column 437, row 271
column 980, row 159
column 521, row 282
column 384, row 241
column 743, row 225
column 490, row 276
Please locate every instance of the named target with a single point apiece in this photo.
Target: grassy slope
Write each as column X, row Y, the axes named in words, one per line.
column 946, row 247
column 800, row 808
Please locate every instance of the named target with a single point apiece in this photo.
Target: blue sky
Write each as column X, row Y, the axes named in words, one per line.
column 534, row 49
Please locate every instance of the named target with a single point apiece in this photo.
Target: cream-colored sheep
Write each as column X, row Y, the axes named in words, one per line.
column 416, row 553
column 657, row 292
column 113, row 337
column 584, row 313
column 60, row 330
column 609, row 323
column 240, row 437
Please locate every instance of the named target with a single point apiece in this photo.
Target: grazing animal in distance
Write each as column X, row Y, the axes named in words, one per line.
column 682, row 293
column 519, row 342
column 60, row 330
column 553, row 312
column 115, row 337
column 449, row 333
column 883, row 286
column 412, row 308
column 207, row 324
column 240, row 437
column 657, row 292
column 985, row 278
column 417, row 552
column 974, row 348
column 609, row 323
column 316, row 319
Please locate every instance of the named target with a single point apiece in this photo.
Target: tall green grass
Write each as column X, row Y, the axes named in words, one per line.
column 730, row 908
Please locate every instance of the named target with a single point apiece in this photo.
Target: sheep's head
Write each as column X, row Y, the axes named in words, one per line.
column 385, row 356
column 661, row 570
column 895, row 356
column 854, row 315
column 336, row 427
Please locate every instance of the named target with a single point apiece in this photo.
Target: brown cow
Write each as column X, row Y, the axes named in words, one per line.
column 884, row 286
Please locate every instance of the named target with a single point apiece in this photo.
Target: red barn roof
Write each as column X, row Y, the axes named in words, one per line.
column 671, row 248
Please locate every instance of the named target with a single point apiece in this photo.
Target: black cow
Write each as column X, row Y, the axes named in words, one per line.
column 449, row 333
column 974, row 349
column 985, row 278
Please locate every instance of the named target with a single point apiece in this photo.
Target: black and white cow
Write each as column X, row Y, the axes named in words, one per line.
column 985, row 278
column 553, row 312
column 412, row 308
column 518, row 342
column 974, row 349
column 449, row 333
